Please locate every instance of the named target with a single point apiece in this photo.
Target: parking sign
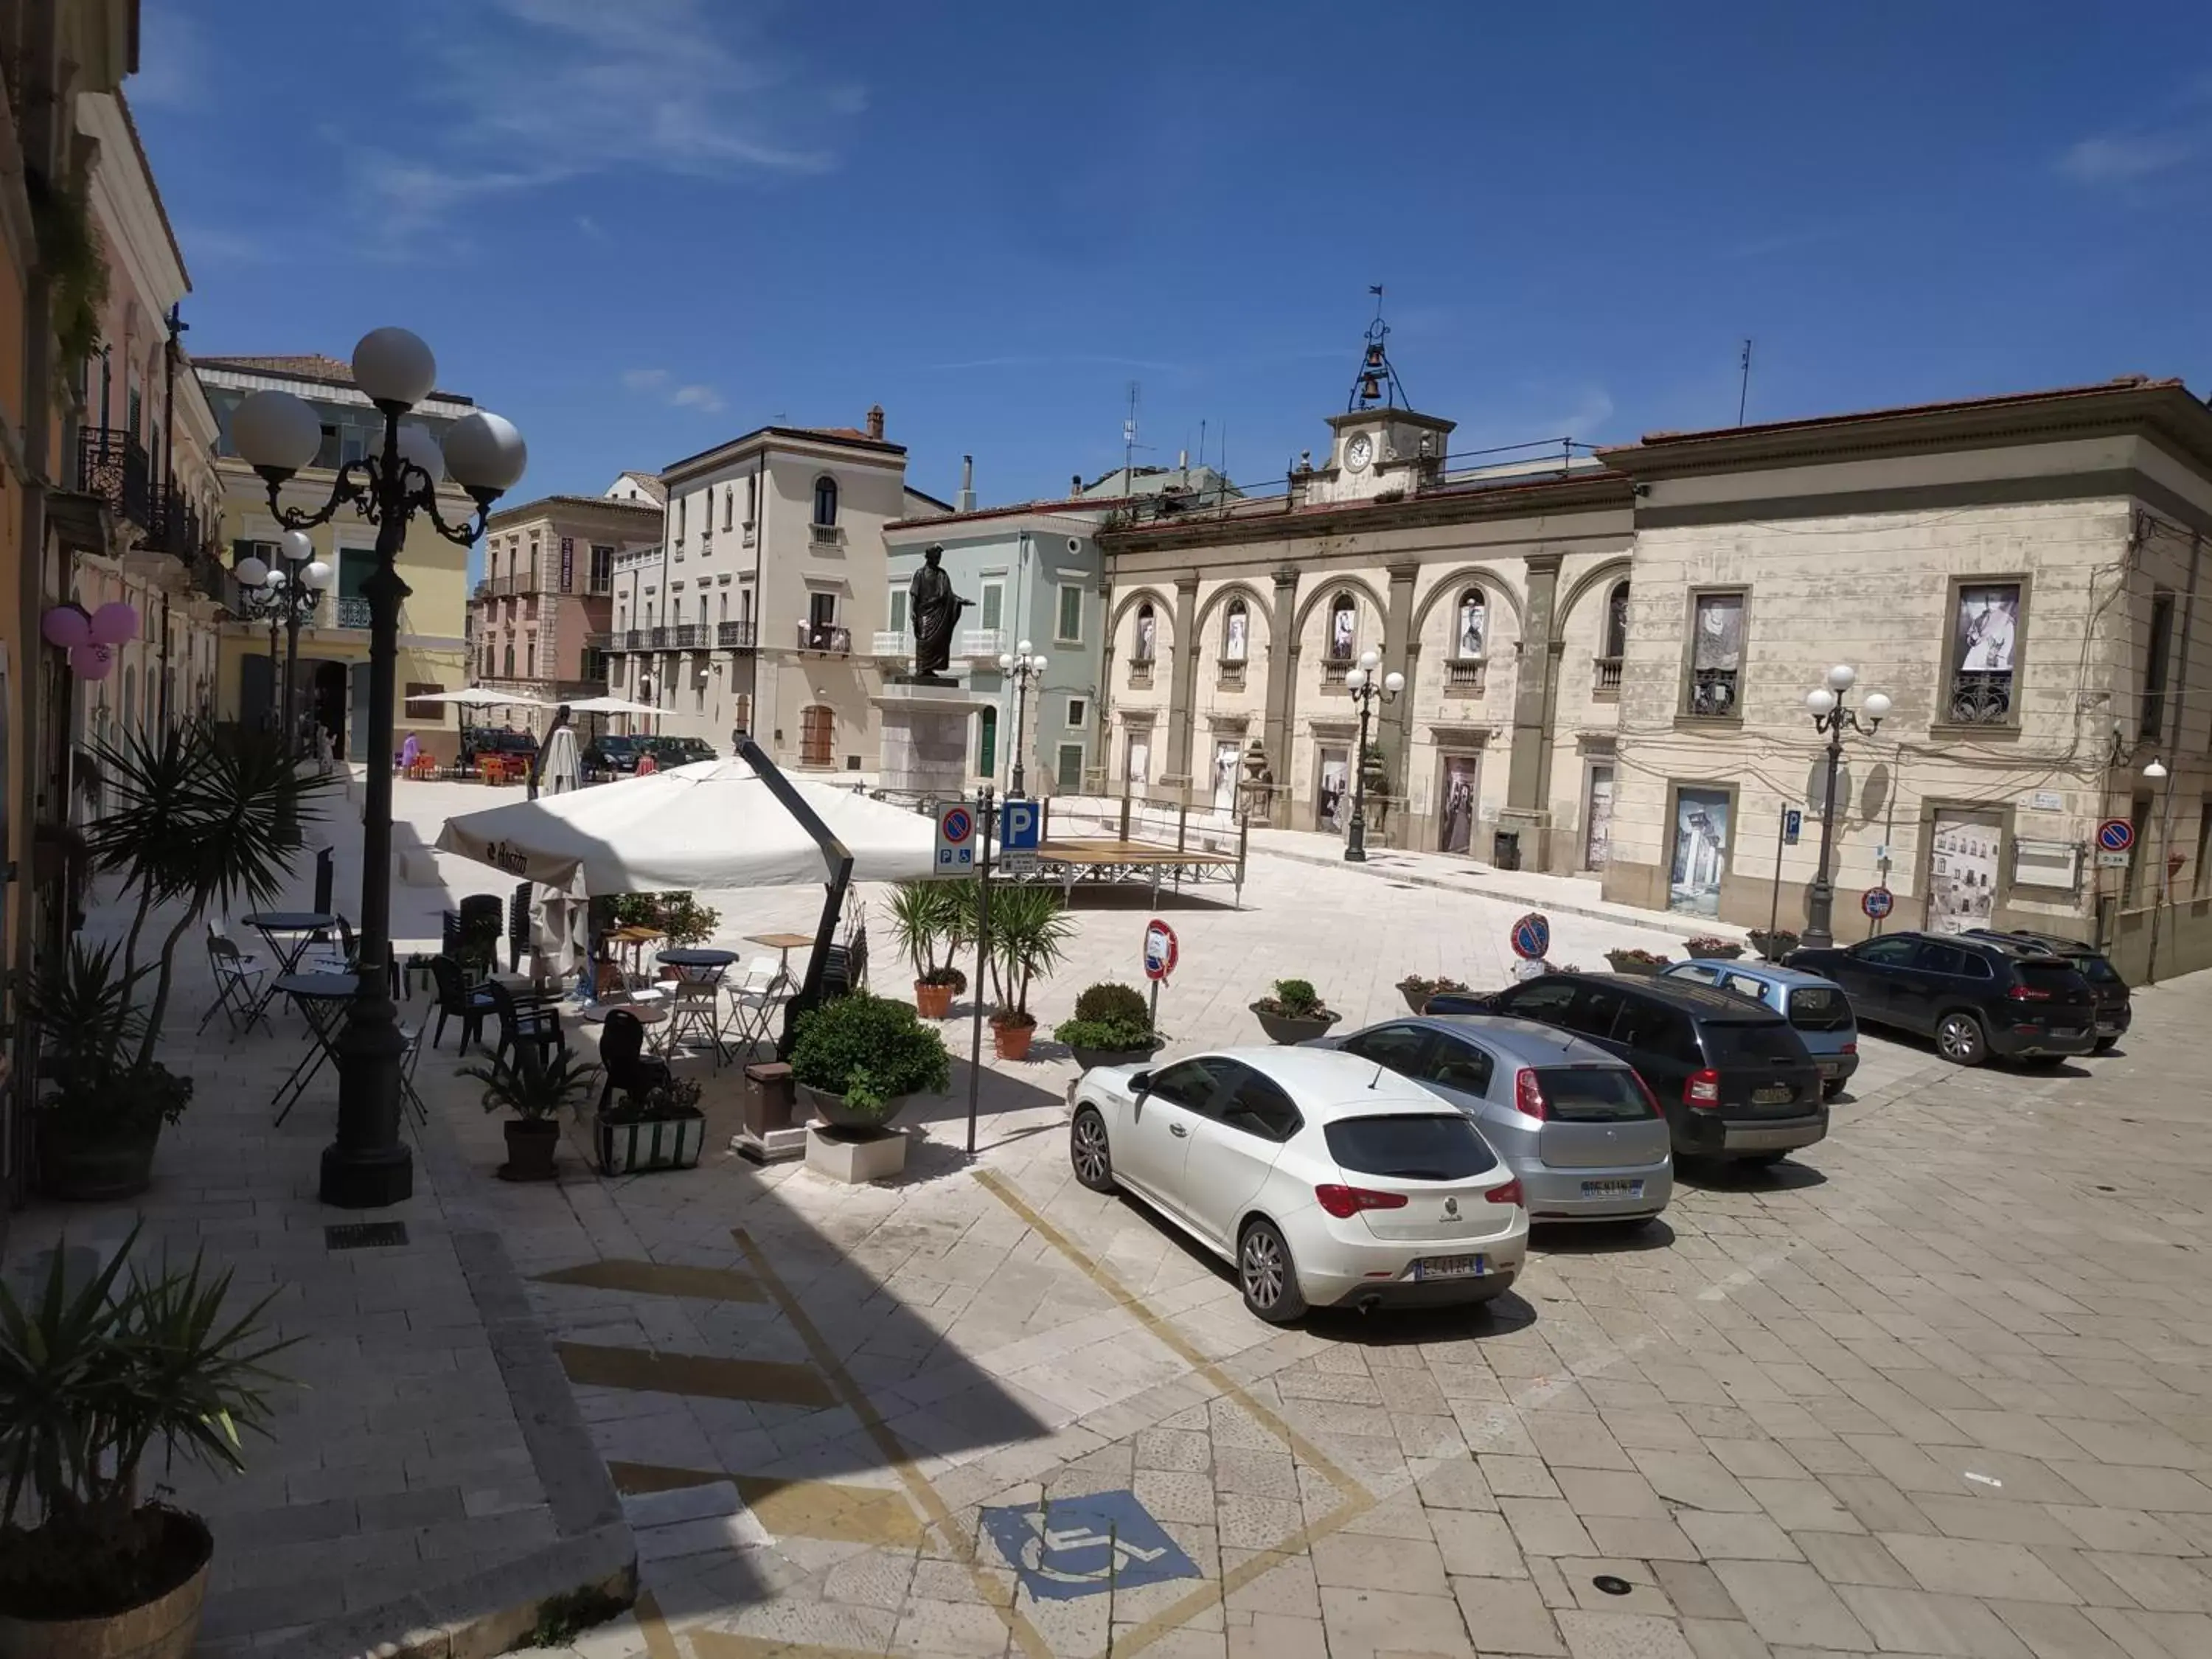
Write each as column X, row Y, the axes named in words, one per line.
column 956, row 841
column 1020, row 824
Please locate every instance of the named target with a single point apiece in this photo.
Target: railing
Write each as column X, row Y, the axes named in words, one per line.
column 112, row 465
column 825, row 637
column 889, row 642
column 735, row 636
column 1713, row 693
column 1334, row 669
column 1465, row 676
column 824, row 535
column 1140, row 672
column 750, row 536
column 602, row 641
column 688, row 636
column 1232, row 676
column 176, row 529
column 986, row 642
column 349, row 613
column 1606, row 674
column 1981, row 696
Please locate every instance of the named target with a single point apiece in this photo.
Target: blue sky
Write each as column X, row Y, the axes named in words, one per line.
column 640, row 227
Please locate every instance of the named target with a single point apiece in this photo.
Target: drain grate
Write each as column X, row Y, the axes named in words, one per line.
column 1610, row 1585
column 365, row 1235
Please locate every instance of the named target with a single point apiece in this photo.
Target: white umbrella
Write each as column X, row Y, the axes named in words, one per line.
column 612, row 706
column 483, row 696
column 711, row 824
column 563, row 770
column 554, row 919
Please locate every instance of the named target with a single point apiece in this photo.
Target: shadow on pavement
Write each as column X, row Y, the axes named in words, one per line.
column 1734, row 1175
column 1599, row 1238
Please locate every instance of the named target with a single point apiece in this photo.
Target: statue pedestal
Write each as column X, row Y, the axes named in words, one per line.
column 924, row 719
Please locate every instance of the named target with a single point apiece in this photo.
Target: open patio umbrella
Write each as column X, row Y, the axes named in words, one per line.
column 711, row 824
column 562, row 771
column 612, row 705
column 483, row 696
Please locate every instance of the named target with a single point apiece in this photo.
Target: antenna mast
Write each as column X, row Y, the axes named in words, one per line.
column 1129, row 443
column 1743, row 396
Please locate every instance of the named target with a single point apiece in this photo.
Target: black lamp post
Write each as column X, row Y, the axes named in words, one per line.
column 368, row 1164
column 1027, row 672
column 286, row 593
column 1824, row 703
column 1360, row 681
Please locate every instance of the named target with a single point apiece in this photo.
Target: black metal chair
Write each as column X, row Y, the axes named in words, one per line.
column 623, row 1061
column 518, row 927
column 458, row 1000
column 530, row 1023
column 326, row 870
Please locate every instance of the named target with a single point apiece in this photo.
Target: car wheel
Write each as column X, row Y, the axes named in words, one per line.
column 1268, row 1275
column 2104, row 1045
column 1089, row 1152
column 1960, row 1039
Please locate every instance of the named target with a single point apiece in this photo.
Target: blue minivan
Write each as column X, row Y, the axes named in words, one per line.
column 1816, row 1006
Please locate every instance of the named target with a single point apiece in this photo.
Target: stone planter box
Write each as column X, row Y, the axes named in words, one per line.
column 1286, row 1031
column 856, row 1157
column 1635, row 969
column 636, row 1147
column 1087, row 1058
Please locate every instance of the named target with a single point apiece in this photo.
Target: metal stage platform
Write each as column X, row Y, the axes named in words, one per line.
column 1192, row 849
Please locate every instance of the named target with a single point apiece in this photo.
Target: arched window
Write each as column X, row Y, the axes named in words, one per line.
column 1616, row 622
column 703, row 611
column 1343, row 629
column 1236, row 631
column 817, row 734
column 752, row 497
column 729, row 503
column 825, row 500
column 1471, row 625
column 1148, row 631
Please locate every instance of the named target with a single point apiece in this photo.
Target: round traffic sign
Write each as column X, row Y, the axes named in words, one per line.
column 1159, row 950
column 2116, row 835
column 1877, row 902
column 1532, row 938
column 956, row 825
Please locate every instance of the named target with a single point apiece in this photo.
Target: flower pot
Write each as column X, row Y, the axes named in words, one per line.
column 1011, row 1041
column 163, row 1628
column 531, row 1143
column 1772, row 947
column 1288, row 1029
column 1717, row 953
column 1416, row 1001
column 672, row 1141
column 1087, row 1058
column 92, row 1170
column 1634, row 967
column 834, row 1113
column 931, row 1001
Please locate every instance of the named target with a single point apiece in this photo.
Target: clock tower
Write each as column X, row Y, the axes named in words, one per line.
column 1380, row 446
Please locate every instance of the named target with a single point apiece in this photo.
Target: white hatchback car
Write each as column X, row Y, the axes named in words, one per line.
column 1324, row 1179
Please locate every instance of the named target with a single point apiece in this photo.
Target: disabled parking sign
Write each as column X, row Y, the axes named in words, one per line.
column 956, row 841
column 1077, row 1547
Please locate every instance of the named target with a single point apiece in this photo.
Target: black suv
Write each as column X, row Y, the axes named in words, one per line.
column 2115, row 1007
column 613, row 753
column 1976, row 996
column 678, row 751
column 1732, row 1078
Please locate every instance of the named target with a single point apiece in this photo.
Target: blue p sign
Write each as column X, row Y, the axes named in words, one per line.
column 1018, row 824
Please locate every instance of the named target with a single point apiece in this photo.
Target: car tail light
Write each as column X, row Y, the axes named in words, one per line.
column 1510, row 1192
column 1849, row 1048
column 1528, row 1094
column 1702, row 1089
column 1345, row 1202
column 2028, row 994
column 1644, row 1089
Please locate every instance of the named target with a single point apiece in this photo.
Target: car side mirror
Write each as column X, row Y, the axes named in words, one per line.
column 1141, row 1084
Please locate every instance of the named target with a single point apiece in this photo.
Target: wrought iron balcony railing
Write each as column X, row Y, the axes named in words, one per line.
column 111, row 465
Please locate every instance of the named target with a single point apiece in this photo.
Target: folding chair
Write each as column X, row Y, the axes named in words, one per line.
column 328, row 956
column 755, row 1006
column 409, row 1058
column 696, row 1007
column 238, row 979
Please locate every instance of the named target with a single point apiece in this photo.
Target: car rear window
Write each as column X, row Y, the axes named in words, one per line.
column 2097, row 970
column 1820, row 1008
column 1592, row 1094
column 2045, row 974
column 1427, row 1147
column 1760, row 1042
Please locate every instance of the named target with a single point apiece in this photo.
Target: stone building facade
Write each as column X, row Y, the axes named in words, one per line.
column 538, row 620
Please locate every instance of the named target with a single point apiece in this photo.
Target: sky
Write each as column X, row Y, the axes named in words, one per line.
column 639, row 227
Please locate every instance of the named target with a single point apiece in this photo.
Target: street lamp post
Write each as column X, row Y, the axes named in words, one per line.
column 1360, row 681
column 1824, row 703
column 1027, row 670
column 286, row 592
column 368, row 1164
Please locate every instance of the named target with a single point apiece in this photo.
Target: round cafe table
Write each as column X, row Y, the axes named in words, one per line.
column 322, row 998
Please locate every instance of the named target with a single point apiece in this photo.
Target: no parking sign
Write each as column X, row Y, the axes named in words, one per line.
column 956, row 841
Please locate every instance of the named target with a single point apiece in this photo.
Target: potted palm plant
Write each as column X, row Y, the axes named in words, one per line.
column 926, row 921
column 100, row 1110
column 658, row 1128
column 92, row 1379
column 1113, row 1026
column 535, row 1087
column 857, row 1059
column 1029, row 937
column 1295, row 1012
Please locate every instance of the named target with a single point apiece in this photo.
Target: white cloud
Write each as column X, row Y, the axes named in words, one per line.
column 655, row 383
column 2123, row 158
column 703, row 398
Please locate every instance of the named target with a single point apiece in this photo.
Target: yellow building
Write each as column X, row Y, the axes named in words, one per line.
column 331, row 674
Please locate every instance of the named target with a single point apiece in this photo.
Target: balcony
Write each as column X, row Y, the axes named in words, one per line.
column 752, row 536
column 824, row 535
column 825, row 637
column 1231, row 677
column 176, row 528
column 689, row 636
column 1713, row 694
column 111, row 465
column 989, row 644
column 1605, row 677
column 1140, row 673
column 890, row 642
column 344, row 613
column 1465, row 678
column 1981, row 697
column 1334, row 669
column 734, row 635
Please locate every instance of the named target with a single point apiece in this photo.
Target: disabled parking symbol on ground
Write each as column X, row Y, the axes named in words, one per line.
column 1085, row 1545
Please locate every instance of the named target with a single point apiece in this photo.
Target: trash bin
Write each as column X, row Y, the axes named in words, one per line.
column 1505, row 849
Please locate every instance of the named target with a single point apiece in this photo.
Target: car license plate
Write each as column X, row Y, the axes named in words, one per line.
column 2107, row 1029
column 1830, row 1067
column 1612, row 1189
column 1778, row 1094
column 1451, row 1266
column 2066, row 1030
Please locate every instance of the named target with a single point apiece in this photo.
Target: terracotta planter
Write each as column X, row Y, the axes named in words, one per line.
column 835, row 1113
column 932, row 1001
column 531, row 1146
column 1286, row 1029
column 163, row 1628
column 1011, row 1041
column 93, row 1170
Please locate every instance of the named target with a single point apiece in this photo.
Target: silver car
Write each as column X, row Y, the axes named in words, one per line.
column 1574, row 1122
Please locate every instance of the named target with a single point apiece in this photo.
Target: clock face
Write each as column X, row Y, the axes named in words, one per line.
column 1358, row 453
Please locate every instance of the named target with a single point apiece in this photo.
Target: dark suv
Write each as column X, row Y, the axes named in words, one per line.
column 613, row 752
column 1732, row 1078
column 1976, row 996
column 2115, row 1008
column 679, row 751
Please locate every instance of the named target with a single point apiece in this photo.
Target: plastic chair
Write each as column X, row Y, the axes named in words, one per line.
column 458, row 1000
column 623, row 1061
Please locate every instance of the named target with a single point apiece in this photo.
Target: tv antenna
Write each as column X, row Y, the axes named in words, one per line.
column 1129, row 444
column 1743, row 393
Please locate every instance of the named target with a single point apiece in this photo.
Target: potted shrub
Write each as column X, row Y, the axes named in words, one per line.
column 1112, row 1026
column 660, row 1128
column 1029, row 932
column 99, row 1112
column 1772, row 944
column 1706, row 947
column 1642, row 963
column 524, row 1082
column 1417, row 990
column 1295, row 1013
column 926, row 921
column 91, row 1381
column 858, row 1058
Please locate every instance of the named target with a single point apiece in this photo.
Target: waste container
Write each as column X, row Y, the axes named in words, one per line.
column 1505, row 849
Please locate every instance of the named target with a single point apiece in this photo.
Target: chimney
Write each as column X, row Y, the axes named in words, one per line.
column 966, row 499
column 875, row 419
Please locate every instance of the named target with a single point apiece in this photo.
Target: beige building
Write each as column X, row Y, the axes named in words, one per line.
column 1606, row 664
column 538, row 620
column 757, row 608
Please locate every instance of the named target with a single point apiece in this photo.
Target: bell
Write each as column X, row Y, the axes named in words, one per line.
column 1369, row 388
column 1374, row 356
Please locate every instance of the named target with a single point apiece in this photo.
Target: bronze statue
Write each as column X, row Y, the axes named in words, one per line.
column 936, row 611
